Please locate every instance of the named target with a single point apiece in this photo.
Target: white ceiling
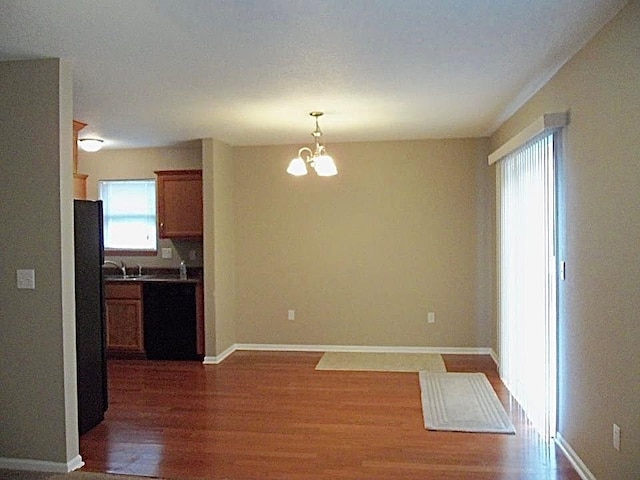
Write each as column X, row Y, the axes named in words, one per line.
column 248, row 72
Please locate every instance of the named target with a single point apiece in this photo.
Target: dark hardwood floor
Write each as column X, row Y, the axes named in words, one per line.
column 265, row 415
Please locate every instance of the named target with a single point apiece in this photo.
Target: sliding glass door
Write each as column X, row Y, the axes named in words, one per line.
column 527, row 278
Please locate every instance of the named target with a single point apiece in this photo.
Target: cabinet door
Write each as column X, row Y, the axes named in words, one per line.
column 79, row 179
column 179, row 203
column 124, row 325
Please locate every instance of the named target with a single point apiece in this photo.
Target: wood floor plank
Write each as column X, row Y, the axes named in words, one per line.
column 266, row 415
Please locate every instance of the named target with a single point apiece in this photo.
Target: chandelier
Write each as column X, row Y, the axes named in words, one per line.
column 321, row 162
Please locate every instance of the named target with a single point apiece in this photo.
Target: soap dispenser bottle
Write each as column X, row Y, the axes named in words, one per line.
column 183, row 271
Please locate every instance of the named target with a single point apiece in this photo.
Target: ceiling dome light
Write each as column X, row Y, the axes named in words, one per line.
column 322, row 163
column 90, row 144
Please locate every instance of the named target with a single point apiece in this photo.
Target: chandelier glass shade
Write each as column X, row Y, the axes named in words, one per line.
column 322, row 163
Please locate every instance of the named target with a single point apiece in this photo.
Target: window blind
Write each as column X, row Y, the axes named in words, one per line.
column 129, row 210
column 527, row 278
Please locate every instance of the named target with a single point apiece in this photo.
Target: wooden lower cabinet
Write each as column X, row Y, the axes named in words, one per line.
column 125, row 319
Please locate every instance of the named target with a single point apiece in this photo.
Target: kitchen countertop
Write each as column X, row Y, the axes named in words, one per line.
column 149, row 278
column 157, row 275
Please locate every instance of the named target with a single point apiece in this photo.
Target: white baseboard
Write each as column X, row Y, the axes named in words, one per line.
column 345, row 348
column 41, row 465
column 494, row 356
column 573, row 457
column 219, row 358
column 75, row 464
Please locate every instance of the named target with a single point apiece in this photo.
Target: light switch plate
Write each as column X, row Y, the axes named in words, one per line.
column 26, row 279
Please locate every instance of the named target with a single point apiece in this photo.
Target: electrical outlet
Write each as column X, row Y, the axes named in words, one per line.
column 431, row 317
column 616, row 437
column 167, row 252
column 291, row 314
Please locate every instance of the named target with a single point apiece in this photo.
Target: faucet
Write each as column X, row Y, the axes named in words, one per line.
column 122, row 266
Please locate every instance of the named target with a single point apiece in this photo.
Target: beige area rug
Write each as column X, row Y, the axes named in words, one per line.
column 381, row 362
column 462, row 402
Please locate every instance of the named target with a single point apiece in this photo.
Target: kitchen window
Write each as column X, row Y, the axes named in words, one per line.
column 129, row 210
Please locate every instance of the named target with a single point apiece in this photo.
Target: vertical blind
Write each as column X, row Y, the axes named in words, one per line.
column 527, row 279
column 129, row 209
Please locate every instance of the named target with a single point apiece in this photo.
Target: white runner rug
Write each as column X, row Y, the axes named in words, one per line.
column 462, row 402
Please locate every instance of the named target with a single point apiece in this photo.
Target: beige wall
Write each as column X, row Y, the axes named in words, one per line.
column 404, row 229
column 219, row 247
column 140, row 163
column 38, row 410
column 599, row 325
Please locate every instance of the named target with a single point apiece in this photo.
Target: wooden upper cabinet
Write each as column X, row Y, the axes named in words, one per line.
column 79, row 179
column 179, row 197
column 77, row 126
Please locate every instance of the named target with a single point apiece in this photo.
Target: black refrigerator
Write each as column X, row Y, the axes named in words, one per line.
column 90, row 318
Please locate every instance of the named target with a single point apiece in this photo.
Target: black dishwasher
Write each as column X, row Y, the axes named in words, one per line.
column 170, row 321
